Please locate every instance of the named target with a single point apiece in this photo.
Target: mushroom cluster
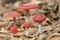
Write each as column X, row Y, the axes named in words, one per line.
column 14, row 30
column 27, row 7
column 29, row 19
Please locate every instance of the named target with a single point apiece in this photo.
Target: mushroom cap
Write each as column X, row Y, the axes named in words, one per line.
column 39, row 18
column 13, row 14
column 27, row 24
column 27, row 6
column 14, row 29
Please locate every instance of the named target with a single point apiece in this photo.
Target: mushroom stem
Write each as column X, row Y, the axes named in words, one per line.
column 39, row 28
column 14, row 20
column 27, row 11
column 27, row 31
column 27, row 16
column 27, row 19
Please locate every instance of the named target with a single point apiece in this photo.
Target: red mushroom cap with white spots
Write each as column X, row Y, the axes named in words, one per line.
column 39, row 18
column 27, row 6
column 13, row 14
column 27, row 24
column 14, row 29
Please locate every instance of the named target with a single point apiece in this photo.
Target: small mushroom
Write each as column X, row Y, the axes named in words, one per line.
column 14, row 30
column 27, row 25
column 39, row 19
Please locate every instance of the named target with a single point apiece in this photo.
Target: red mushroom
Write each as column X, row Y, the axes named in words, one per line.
column 27, row 7
column 39, row 19
column 14, row 29
column 13, row 14
column 27, row 25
